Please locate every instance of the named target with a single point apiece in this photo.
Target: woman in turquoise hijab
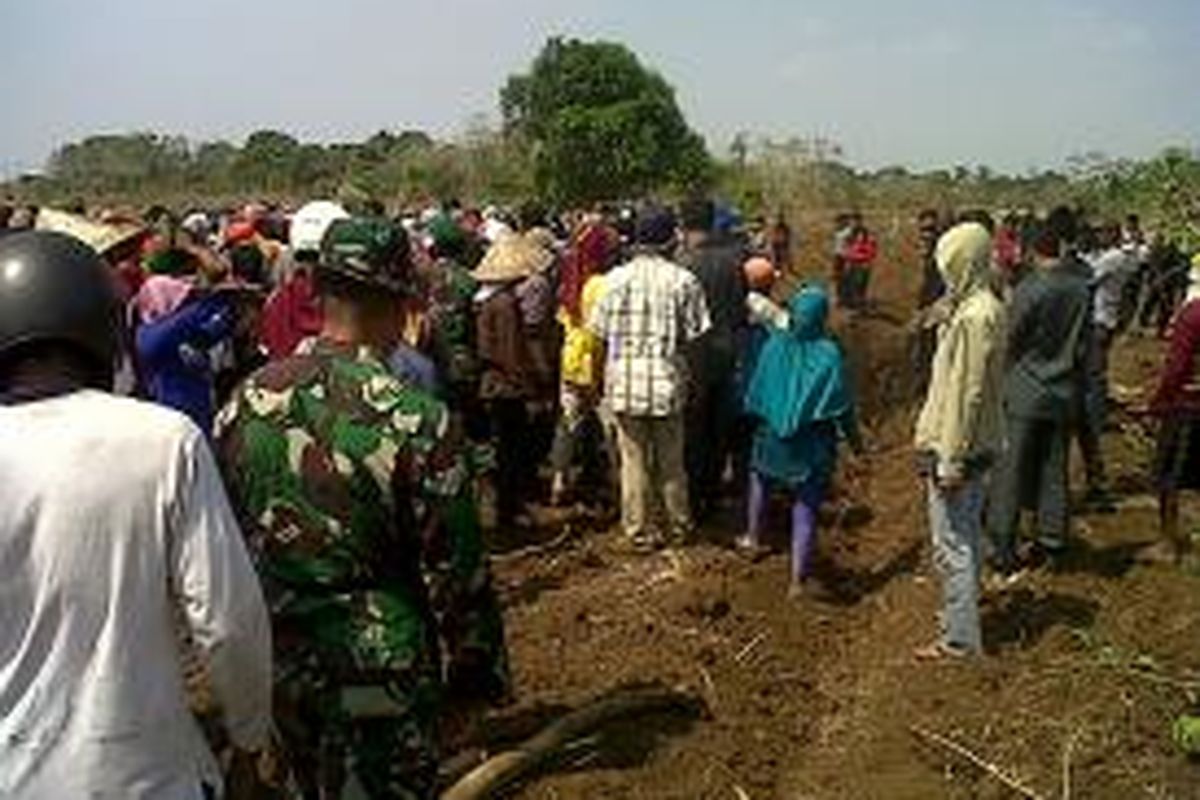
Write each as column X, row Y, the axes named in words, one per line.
column 800, row 399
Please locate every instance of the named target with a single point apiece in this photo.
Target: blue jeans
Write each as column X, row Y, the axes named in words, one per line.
column 956, row 523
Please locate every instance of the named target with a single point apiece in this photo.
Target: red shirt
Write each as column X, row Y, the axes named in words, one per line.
column 291, row 314
column 1179, row 387
column 862, row 250
column 1007, row 249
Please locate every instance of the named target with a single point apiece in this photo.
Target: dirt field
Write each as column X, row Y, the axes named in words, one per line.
column 1086, row 668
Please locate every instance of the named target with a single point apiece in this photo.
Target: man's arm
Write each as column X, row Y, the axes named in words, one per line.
column 1022, row 314
column 213, row 578
column 695, row 318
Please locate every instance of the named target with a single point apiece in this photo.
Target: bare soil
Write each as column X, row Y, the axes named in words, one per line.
column 1086, row 667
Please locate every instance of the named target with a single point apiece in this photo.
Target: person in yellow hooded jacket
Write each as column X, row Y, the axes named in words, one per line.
column 960, row 430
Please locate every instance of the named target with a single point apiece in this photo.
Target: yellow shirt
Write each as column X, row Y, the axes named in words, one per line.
column 581, row 348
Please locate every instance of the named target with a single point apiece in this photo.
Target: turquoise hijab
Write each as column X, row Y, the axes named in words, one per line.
column 799, row 378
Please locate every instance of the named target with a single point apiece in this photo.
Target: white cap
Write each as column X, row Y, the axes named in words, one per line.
column 310, row 223
column 196, row 223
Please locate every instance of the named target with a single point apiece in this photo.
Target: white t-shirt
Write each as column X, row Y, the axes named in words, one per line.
column 110, row 507
column 1110, row 270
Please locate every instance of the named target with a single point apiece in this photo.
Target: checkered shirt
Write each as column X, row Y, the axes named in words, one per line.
column 650, row 310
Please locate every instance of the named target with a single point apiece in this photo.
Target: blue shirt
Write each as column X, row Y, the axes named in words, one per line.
column 173, row 356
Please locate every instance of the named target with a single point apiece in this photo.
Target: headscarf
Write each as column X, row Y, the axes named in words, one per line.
column 588, row 255
column 160, row 296
column 800, row 378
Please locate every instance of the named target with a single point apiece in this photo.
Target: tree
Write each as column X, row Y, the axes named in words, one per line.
column 599, row 125
column 117, row 163
column 269, row 159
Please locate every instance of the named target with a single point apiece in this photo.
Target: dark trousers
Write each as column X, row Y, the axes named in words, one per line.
column 921, row 349
column 853, row 284
column 1094, row 407
column 1032, row 475
column 710, row 420
column 514, row 464
column 1162, row 297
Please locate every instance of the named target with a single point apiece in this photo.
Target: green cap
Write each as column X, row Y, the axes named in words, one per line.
column 370, row 250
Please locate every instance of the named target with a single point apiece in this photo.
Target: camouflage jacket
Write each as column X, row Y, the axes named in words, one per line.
column 452, row 324
column 358, row 499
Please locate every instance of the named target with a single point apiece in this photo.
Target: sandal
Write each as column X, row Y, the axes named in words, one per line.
column 940, row 651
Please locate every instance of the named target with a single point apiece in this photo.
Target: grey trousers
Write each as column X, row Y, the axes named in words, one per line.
column 652, row 469
column 576, row 404
column 1032, row 475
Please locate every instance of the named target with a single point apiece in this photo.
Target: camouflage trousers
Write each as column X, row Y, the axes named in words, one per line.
column 357, row 743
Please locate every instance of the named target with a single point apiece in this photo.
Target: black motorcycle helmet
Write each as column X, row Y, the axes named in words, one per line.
column 56, row 290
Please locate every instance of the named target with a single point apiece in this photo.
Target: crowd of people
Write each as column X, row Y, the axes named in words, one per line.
column 276, row 435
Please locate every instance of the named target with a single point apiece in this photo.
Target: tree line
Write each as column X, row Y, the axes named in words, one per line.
column 589, row 122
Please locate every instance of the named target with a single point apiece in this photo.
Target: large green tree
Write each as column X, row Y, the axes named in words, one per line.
column 600, row 125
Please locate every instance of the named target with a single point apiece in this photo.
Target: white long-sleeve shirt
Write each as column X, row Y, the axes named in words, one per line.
column 112, row 514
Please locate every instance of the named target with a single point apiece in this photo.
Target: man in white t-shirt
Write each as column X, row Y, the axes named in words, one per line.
column 114, row 526
column 1112, row 268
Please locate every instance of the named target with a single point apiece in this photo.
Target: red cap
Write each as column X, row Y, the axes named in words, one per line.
column 239, row 232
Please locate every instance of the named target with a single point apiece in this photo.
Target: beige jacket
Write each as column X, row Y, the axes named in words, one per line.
column 962, row 422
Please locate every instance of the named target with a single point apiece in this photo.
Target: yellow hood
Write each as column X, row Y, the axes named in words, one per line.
column 964, row 257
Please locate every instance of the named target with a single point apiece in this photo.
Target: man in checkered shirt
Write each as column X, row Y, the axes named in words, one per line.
column 651, row 312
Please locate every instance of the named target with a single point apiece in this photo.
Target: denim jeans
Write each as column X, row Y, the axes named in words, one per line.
column 955, row 521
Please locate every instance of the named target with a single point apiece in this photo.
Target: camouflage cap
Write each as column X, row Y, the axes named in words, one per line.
column 370, row 250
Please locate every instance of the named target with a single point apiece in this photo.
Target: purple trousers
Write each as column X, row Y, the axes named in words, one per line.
column 806, row 502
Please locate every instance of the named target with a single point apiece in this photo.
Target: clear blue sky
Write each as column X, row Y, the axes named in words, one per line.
column 1014, row 84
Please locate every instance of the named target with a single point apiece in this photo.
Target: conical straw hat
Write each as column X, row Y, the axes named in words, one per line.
column 512, row 258
column 99, row 236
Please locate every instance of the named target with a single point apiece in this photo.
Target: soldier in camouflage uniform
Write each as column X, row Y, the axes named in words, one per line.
column 451, row 293
column 359, row 501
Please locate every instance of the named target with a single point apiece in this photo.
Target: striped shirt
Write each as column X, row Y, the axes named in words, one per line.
column 651, row 309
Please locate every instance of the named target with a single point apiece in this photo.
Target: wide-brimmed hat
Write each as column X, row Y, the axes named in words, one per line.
column 99, row 236
column 513, row 256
